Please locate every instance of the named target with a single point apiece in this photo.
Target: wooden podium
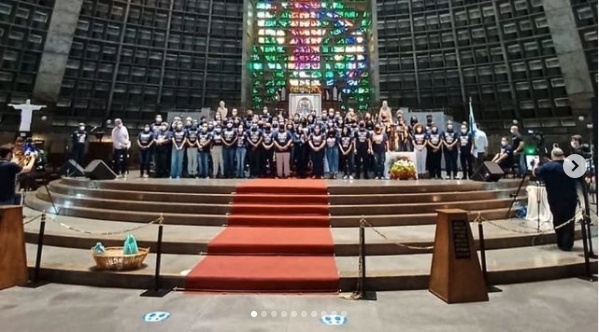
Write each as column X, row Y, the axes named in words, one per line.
column 456, row 275
column 13, row 259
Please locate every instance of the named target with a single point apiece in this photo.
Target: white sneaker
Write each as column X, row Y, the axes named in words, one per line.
column 377, row 178
column 345, row 177
column 351, row 177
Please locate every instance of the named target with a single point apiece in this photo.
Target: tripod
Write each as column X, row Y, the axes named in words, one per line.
column 515, row 195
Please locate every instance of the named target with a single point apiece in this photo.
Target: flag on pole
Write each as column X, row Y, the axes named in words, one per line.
column 471, row 121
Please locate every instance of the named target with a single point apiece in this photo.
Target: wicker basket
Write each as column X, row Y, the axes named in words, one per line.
column 113, row 259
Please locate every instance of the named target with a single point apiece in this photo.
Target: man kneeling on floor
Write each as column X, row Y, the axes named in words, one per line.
column 562, row 197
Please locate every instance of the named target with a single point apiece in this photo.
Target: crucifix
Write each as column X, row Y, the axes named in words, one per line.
column 26, row 114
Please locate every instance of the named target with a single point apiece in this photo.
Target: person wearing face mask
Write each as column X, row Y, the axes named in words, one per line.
column 518, row 147
column 162, row 151
column 192, row 151
column 465, row 144
column 78, row 139
column 505, row 157
column 265, row 115
column 380, row 145
column 419, row 143
column 303, row 154
column 435, row 152
column 282, row 140
column 254, row 142
column 268, row 151
column 450, row 151
column 317, row 142
column 155, row 126
column 332, row 152
column 121, row 144
column 145, row 141
column 204, row 145
column 217, row 151
column 188, row 123
column 178, row 137
column 240, row 152
column 363, row 146
column 229, row 149
column 347, row 147
column 295, row 146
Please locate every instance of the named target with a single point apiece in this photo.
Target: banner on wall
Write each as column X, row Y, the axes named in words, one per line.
column 304, row 104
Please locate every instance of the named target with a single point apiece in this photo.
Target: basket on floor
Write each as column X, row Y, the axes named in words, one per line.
column 114, row 259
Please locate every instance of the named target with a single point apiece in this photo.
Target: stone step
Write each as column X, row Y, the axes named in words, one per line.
column 191, row 240
column 400, row 272
column 107, row 212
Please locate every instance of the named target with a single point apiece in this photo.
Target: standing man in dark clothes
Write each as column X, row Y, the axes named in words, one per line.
column 518, row 147
column 363, row 150
column 562, row 197
column 435, row 152
column 450, row 151
column 229, row 149
column 78, row 139
column 145, row 140
column 162, row 151
column 465, row 152
column 8, row 175
column 254, row 140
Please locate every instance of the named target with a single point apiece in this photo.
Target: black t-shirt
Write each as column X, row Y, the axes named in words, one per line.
column 346, row 141
column 217, row 137
column 465, row 142
column 144, row 138
column 79, row 137
column 419, row 139
column 561, row 189
column 434, row 139
column 282, row 138
column 362, row 137
column 516, row 142
column 254, row 135
column 8, row 179
column 192, row 136
column 229, row 135
column 317, row 139
column 241, row 139
column 179, row 136
column 379, row 143
column 204, row 140
column 509, row 160
column 450, row 138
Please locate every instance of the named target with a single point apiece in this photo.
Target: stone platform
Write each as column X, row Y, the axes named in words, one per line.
column 195, row 211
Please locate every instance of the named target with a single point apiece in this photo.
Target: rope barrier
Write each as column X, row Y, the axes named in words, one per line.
column 158, row 220
column 32, row 219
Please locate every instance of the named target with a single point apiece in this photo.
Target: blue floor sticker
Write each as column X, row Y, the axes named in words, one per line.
column 333, row 319
column 156, row 316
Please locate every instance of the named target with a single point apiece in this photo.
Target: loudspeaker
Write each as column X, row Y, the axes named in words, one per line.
column 488, row 172
column 98, row 170
column 72, row 169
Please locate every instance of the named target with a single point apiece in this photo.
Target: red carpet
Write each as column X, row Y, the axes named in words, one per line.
column 277, row 240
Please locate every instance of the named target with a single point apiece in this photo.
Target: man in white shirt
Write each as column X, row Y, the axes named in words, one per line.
column 480, row 147
column 121, row 145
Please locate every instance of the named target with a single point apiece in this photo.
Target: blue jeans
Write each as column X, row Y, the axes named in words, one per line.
column 229, row 161
column 379, row 164
column 177, row 162
column 240, row 161
column 332, row 155
column 522, row 164
column 203, row 157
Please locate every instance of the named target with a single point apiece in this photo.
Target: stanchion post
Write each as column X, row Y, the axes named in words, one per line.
column 40, row 247
column 587, row 264
column 483, row 259
column 366, row 294
column 157, row 291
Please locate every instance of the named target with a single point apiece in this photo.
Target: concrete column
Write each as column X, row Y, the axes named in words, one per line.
column 373, row 53
column 570, row 54
column 56, row 50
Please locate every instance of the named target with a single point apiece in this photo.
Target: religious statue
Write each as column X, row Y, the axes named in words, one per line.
column 222, row 110
column 385, row 113
column 403, row 132
column 26, row 114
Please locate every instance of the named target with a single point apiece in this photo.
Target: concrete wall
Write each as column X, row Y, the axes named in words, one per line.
column 56, row 50
column 570, row 54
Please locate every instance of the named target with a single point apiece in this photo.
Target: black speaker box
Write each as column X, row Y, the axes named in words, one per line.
column 72, row 169
column 488, row 172
column 98, row 170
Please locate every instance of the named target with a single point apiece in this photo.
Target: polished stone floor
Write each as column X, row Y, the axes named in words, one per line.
column 562, row 305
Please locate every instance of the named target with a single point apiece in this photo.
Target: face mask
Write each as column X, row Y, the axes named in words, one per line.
column 464, row 130
column 179, row 127
column 158, row 120
column 503, row 143
column 210, row 127
column 188, row 123
column 281, row 128
column 362, row 126
column 449, row 128
column 204, row 130
column 229, row 126
column 147, row 129
column 254, row 128
column 120, row 125
column 82, row 128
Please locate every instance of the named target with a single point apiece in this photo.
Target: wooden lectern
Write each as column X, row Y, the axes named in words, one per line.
column 456, row 275
column 13, row 259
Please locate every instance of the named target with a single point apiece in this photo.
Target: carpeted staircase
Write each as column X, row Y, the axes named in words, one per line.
column 277, row 240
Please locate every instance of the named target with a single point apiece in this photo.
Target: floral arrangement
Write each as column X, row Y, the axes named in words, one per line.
column 403, row 169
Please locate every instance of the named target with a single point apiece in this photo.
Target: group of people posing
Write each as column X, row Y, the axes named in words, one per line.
column 341, row 146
